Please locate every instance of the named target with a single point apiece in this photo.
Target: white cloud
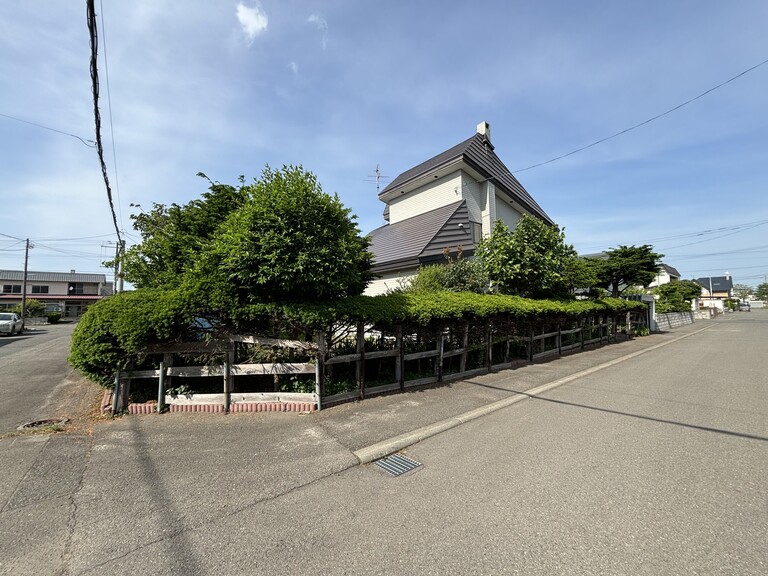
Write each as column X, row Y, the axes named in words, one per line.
column 253, row 21
column 293, row 67
column 322, row 26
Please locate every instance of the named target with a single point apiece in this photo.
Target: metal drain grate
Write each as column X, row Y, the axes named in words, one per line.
column 397, row 464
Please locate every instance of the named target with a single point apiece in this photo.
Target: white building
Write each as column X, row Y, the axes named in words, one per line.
column 451, row 200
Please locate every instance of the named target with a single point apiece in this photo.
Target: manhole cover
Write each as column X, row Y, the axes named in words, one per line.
column 397, row 464
column 43, row 423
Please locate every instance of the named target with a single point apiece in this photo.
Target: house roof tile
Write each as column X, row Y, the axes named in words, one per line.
column 407, row 239
column 18, row 276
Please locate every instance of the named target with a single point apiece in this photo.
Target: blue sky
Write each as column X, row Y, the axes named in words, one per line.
column 226, row 87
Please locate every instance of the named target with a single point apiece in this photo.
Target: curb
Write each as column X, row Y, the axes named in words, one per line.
column 392, row 445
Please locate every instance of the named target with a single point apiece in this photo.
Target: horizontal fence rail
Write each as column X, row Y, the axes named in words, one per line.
column 458, row 351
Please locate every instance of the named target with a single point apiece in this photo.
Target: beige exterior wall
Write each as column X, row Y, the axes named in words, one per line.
column 389, row 282
column 470, row 190
column 506, row 213
column 441, row 192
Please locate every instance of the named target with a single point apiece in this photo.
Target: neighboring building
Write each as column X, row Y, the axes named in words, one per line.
column 69, row 293
column 715, row 290
column 665, row 275
column 450, row 200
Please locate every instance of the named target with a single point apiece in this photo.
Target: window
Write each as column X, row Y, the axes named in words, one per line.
column 11, row 288
column 39, row 289
column 75, row 288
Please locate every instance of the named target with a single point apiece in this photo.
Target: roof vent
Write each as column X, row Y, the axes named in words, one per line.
column 485, row 129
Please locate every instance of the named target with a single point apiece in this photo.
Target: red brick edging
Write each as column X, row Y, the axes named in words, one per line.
column 149, row 408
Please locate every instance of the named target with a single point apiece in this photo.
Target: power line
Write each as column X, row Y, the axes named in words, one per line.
column 94, row 40
column 644, row 122
column 109, row 108
column 89, row 143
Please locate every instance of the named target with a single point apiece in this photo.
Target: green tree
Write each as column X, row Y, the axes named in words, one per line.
column 289, row 242
column 529, row 261
column 742, row 291
column 579, row 274
column 627, row 267
column 173, row 235
column 761, row 292
column 677, row 296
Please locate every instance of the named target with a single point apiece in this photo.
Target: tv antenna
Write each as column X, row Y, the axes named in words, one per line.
column 377, row 177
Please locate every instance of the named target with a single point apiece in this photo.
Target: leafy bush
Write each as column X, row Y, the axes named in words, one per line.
column 53, row 317
column 113, row 333
column 34, row 308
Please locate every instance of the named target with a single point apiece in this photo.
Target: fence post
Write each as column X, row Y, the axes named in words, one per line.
column 122, row 389
column 559, row 340
column 228, row 361
column 400, row 360
column 319, row 368
column 583, row 322
column 440, row 352
column 360, row 368
column 530, row 347
column 488, row 346
column 464, row 344
column 629, row 325
column 161, row 387
column 116, row 394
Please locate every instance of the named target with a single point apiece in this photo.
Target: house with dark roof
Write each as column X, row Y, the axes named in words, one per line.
column 665, row 275
column 67, row 292
column 715, row 290
column 451, row 200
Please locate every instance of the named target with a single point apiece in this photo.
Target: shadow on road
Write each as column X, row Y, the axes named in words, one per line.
column 630, row 414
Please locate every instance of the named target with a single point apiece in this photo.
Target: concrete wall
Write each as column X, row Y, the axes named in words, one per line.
column 673, row 320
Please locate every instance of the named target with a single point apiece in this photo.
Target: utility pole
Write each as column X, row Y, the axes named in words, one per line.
column 24, row 284
column 121, row 249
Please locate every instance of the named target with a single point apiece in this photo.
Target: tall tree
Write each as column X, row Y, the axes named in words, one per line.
column 529, row 261
column 626, row 267
column 677, row 296
column 742, row 291
column 761, row 292
column 172, row 235
column 289, row 242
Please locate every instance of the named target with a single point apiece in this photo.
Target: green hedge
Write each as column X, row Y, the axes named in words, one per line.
column 113, row 334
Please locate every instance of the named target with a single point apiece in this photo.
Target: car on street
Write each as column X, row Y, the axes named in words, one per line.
column 10, row 323
column 744, row 307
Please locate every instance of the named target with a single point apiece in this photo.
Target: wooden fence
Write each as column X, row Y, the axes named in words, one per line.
column 448, row 355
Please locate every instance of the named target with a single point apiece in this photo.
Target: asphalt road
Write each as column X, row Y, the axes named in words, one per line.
column 33, row 371
column 650, row 457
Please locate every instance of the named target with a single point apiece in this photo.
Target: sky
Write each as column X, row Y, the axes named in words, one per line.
column 343, row 86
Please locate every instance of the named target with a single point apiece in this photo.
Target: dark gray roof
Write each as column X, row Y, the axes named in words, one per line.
column 478, row 153
column 719, row 283
column 18, row 276
column 404, row 243
column 671, row 271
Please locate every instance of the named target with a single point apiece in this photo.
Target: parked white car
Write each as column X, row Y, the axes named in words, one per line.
column 11, row 323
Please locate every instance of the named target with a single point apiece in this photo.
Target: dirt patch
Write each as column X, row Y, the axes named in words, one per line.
column 79, row 400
